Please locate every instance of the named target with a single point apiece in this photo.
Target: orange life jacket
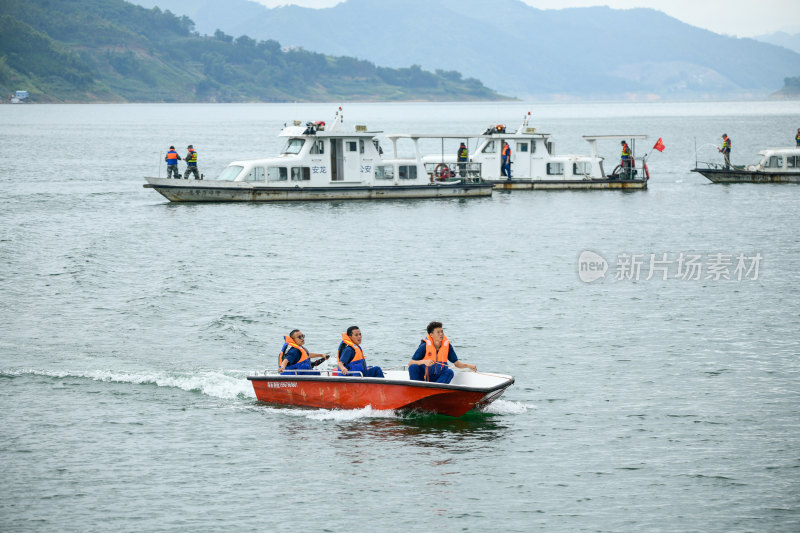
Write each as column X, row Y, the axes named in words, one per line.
column 506, row 150
column 433, row 355
column 359, row 356
column 290, row 343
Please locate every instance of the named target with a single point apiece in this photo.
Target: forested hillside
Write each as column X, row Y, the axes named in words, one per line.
column 111, row 50
column 588, row 52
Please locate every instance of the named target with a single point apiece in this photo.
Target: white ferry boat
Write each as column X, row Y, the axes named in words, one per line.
column 775, row 165
column 319, row 163
column 535, row 165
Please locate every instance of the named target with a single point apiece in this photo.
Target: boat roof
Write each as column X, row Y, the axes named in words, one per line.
column 613, row 137
column 460, row 135
column 772, row 151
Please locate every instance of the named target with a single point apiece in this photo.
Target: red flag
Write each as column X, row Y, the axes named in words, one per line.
column 659, row 145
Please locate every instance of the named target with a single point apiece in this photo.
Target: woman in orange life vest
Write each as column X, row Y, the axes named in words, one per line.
column 429, row 362
column 294, row 357
column 351, row 357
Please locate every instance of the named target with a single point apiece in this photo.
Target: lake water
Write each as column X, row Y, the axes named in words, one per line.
column 128, row 326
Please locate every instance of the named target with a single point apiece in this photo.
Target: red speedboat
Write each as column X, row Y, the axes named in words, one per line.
column 467, row 391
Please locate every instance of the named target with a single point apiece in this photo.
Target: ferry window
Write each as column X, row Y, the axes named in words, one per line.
column 489, row 148
column 255, row 174
column 408, row 172
column 582, row 169
column 555, row 169
column 533, row 147
column 277, row 174
column 301, row 173
column 230, row 173
column 361, row 146
column 776, row 161
column 792, row 161
column 377, row 146
column 384, row 173
column 294, row 146
column 351, row 146
column 522, row 147
column 318, row 147
column 549, row 147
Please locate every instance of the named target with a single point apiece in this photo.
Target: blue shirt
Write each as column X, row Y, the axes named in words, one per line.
column 420, row 353
column 291, row 356
column 347, row 355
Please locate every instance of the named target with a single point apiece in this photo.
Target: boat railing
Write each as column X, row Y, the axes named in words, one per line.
column 444, row 172
column 312, row 372
column 713, row 165
column 632, row 172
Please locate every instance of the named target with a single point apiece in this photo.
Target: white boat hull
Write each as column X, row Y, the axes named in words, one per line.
column 176, row 190
column 522, row 184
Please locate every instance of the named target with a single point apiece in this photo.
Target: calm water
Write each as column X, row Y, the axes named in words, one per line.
column 128, row 325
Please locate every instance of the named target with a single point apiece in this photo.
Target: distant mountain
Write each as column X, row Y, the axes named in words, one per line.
column 786, row 40
column 516, row 49
column 111, row 50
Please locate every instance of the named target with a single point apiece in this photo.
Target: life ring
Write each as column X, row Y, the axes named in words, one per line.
column 646, row 172
column 442, row 172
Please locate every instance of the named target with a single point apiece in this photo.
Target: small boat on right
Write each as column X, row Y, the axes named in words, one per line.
column 775, row 165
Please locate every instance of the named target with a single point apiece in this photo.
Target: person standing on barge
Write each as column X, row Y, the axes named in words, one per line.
column 726, row 150
column 191, row 164
column 429, row 362
column 350, row 356
column 172, row 159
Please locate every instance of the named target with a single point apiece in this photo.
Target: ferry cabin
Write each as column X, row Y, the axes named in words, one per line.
column 778, row 160
column 313, row 157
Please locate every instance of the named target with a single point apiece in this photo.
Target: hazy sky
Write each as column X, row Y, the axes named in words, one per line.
column 743, row 18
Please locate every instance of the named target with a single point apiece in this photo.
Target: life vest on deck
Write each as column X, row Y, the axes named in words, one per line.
column 626, row 152
column 797, row 137
column 192, row 159
column 359, row 356
column 506, row 152
column 726, row 145
column 172, row 157
column 288, row 342
column 463, row 153
column 433, row 355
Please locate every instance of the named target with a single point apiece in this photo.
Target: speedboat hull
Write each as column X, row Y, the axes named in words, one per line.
column 176, row 190
column 747, row 176
column 395, row 392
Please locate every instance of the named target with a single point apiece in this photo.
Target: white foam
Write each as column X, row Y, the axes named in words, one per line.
column 506, row 407
column 339, row 415
column 217, row 384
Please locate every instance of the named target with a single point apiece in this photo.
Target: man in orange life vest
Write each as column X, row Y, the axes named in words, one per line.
column 351, row 356
column 429, row 362
column 294, row 357
column 505, row 155
column 172, row 159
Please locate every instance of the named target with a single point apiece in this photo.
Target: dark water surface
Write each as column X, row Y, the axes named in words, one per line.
column 128, row 325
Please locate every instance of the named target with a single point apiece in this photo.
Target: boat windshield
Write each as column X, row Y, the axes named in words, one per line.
column 294, row 146
column 230, row 173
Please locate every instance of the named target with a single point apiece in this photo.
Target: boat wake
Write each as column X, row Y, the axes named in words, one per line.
column 227, row 385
